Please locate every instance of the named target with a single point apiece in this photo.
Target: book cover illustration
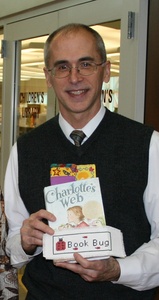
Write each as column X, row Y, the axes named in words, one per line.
column 76, row 204
column 62, row 173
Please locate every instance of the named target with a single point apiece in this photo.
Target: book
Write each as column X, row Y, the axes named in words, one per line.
column 80, row 224
column 62, row 173
column 75, row 204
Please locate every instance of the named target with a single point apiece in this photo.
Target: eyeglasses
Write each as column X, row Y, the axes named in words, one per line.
column 84, row 68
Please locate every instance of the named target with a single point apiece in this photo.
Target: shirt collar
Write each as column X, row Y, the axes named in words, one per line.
column 88, row 129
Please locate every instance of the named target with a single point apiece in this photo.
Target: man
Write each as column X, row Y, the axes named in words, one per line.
column 126, row 155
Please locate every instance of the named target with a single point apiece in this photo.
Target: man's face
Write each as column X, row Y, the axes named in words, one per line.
column 77, row 94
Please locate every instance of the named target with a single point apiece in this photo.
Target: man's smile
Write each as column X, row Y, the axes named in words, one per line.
column 77, row 92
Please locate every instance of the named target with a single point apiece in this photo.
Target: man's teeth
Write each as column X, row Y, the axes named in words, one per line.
column 77, row 92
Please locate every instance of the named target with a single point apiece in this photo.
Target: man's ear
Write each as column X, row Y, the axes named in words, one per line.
column 107, row 71
column 47, row 76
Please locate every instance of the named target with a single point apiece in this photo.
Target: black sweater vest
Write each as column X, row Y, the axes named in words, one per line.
column 120, row 148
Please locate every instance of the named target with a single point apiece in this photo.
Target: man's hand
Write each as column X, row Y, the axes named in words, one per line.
column 97, row 270
column 33, row 229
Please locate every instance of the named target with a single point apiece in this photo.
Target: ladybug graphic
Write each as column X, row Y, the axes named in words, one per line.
column 60, row 245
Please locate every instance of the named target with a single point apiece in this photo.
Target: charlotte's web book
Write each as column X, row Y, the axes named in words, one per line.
column 80, row 224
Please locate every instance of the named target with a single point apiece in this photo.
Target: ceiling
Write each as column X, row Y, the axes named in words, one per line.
column 32, row 52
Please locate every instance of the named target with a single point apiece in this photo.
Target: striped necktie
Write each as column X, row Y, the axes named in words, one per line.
column 77, row 136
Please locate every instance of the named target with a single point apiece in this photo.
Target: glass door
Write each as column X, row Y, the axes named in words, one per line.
column 33, row 91
column 110, row 32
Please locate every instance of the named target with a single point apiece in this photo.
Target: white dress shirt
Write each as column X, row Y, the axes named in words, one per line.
column 140, row 270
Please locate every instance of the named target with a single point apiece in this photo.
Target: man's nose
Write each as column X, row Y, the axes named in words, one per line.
column 75, row 75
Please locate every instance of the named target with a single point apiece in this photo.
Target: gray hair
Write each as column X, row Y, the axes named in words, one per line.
column 74, row 27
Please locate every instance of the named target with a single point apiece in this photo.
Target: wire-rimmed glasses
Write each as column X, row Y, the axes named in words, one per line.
column 84, row 68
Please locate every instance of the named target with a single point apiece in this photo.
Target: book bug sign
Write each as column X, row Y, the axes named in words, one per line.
column 77, row 241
